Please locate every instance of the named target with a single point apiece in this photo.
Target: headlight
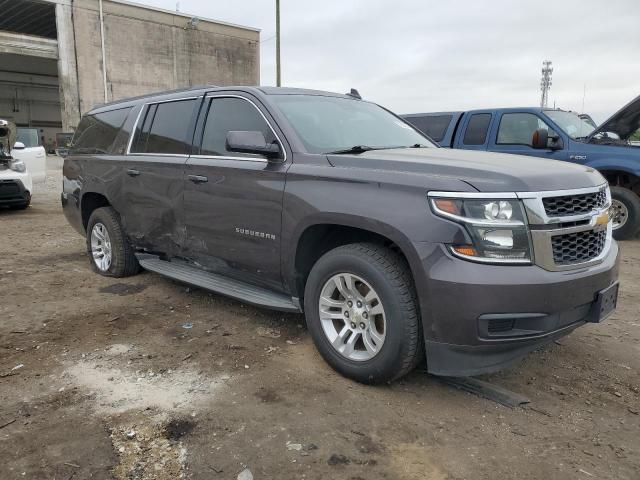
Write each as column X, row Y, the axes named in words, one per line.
column 18, row 166
column 497, row 228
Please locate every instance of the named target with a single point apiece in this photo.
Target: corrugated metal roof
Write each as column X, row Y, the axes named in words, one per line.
column 28, row 17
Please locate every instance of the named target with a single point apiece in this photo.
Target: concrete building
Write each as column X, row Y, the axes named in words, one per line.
column 59, row 58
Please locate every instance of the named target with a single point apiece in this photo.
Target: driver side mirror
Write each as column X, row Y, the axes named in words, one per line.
column 252, row 142
column 18, row 146
column 541, row 140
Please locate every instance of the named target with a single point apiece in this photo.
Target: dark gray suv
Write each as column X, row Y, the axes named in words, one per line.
column 315, row 202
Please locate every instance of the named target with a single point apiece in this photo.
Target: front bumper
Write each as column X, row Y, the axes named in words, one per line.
column 480, row 318
column 13, row 191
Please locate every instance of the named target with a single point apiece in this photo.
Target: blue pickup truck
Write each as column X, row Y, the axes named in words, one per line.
column 611, row 148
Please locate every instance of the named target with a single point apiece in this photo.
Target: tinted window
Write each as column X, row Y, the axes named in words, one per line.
column 477, row 128
column 96, row 133
column 518, row 128
column 164, row 128
column 433, row 125
column 228, row 115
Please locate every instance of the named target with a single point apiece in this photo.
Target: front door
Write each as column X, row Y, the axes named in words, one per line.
column 515, row 132
column 233, row 201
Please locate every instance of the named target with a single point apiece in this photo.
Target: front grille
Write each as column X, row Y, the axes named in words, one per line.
column 575, row 204
column 9, row 188
column 578, row 247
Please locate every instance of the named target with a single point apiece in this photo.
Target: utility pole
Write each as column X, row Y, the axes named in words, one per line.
column 545, row 82
column 278, row 77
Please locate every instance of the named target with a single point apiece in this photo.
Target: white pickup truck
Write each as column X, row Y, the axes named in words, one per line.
column 23, row 162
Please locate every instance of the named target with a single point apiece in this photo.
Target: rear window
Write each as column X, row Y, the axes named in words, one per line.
column 96, row 133
column 164, row 127
column 477, row 128
column 433, row 125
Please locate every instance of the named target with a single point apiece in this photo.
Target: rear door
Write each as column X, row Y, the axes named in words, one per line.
column 152, row 197
column 474, row 131
column 514, row 131
column 33, row 155
column 233, row 201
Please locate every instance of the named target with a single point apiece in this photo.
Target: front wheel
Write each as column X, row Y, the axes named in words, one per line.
column 625, row 213
column 362, row 313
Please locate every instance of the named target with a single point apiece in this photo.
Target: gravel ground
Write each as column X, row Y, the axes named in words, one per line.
column 144, row 378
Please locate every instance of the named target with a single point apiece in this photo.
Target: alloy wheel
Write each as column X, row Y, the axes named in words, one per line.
column 101, row 247
column 352, row 317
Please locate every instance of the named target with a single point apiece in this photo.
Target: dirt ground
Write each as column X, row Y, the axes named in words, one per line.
column 144, row 378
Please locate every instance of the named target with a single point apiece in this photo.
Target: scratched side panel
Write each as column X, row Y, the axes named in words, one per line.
column 151, row 203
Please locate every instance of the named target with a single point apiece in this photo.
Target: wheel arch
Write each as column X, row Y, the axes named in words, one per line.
column 89, row 202
column 316, row 238
column 619, row 177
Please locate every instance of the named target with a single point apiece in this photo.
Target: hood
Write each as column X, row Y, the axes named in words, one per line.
column 624, row 122
column 485, row 171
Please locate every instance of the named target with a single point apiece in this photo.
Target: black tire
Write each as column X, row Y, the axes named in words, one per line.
column 631, row 201
column 389, row 275
column 123, row 259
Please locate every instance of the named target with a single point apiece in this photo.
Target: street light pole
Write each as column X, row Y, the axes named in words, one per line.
column 278, row 77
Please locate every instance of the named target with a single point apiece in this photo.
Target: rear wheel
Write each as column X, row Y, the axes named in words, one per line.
column 109, row 250
column 362, row 314
column 625, row 212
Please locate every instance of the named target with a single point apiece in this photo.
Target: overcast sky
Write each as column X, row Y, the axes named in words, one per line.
column 423, row 55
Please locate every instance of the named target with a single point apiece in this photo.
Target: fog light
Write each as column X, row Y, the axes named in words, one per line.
column 498, row 238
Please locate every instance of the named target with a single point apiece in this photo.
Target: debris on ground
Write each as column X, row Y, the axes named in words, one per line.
column 148, row 454
column 245, row 475
column 268, row 332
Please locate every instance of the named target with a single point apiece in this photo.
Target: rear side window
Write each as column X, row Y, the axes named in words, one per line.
column 164, row 128
column 477, row 128
column 96, row 133
column 433, row 125
column 228, row 114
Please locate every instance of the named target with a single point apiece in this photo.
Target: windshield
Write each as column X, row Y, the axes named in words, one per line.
column 330, row 124
column 28, row 136
column 572, row 124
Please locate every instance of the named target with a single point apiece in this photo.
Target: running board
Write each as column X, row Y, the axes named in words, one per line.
column 183, row 272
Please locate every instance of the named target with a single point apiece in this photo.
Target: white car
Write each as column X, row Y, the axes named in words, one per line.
column 20, row 166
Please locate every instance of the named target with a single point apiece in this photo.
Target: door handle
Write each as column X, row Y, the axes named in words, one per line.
column 133, row 173
column 198, row 179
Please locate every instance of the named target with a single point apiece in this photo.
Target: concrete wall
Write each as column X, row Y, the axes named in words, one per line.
column 149, row 50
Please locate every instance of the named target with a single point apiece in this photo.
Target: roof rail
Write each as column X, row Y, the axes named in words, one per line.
column 153, row 94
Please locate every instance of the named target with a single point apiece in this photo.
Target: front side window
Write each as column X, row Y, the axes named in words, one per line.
column 477, row 129
column 229, row 114
column 96, row 133
column 518, row 128
column 327, row 124
column 163, row 128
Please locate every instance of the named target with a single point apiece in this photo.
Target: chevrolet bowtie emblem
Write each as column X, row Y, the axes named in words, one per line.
column 603, row 219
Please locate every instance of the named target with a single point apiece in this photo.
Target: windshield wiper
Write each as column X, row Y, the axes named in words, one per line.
column 354, row 149
column 365, row 148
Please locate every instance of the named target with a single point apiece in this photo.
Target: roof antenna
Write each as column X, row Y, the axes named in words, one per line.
column 355, row 94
